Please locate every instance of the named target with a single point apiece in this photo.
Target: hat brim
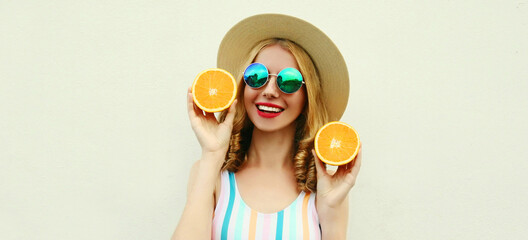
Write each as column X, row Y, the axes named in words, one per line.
column 331, row 66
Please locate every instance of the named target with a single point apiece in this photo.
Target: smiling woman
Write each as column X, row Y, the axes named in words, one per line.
column 258, row 176
column 309, row 115
column 266, row 110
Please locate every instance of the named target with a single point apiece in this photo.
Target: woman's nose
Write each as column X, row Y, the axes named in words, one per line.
column 271, row 89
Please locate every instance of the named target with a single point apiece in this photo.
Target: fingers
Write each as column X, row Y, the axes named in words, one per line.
column 190, row 104
column 352, row 167
column 192, row 108
column 210, row 116
column 343, row 169
column 357, row 162
column 319, row 166
column 231, row 113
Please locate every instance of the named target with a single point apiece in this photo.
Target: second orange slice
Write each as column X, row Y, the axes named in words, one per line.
column 336, row 143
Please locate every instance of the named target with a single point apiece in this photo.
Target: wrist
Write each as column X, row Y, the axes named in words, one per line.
column 332, row 210
column 215, row 153
column 214, row 157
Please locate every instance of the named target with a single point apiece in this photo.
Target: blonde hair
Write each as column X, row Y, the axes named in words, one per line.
column 313, row 117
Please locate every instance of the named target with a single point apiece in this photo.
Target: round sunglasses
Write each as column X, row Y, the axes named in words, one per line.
column 289, row 80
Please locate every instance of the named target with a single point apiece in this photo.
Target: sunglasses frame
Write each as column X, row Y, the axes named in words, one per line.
column 276, row 76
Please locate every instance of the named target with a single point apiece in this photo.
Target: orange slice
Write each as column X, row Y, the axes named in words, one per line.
column 214, row 90
column 336, row 143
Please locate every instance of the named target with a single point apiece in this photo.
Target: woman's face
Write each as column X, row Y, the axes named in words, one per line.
column 268, row 107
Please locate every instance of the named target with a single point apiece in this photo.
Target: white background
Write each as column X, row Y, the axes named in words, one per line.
column 95, row 141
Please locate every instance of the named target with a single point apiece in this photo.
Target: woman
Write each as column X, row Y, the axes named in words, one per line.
column 258, row 175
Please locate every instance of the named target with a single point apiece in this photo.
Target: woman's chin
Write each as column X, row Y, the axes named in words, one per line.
column 269, row 128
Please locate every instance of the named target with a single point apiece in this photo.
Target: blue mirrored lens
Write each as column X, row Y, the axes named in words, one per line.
column 256, row 75
column 289, row 80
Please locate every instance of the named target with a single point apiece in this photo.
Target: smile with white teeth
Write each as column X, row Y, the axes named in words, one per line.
column 269, row 109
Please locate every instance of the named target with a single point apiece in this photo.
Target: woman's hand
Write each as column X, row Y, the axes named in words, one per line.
column 213, row 136
column 332, row 189
column 331, row 199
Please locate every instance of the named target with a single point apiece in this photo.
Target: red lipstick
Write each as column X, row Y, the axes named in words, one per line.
column 268, row 114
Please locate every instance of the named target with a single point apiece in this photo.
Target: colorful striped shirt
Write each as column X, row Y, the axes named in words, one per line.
column 233, row 219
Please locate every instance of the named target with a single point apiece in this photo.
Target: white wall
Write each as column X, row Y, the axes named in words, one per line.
column 95, row 141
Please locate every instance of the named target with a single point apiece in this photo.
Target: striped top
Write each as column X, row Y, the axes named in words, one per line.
column 233, row 219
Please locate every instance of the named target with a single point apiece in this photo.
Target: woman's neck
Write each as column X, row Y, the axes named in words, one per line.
column 271, row 149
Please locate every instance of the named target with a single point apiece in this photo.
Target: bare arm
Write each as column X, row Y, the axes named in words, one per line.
column 196, row 220
column 334, row 221
column 213, row 136
column 332, row 196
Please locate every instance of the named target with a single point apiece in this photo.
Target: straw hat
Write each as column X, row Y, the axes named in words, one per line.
column 242, row 37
